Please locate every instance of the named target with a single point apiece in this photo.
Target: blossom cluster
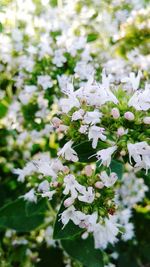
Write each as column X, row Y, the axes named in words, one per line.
column 74, row 121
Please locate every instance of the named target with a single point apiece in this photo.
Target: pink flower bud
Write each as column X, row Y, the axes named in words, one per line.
column 88, row 170
column 65, row 170
column 54, row 184
column 129, row 116
column 120, row 131
column 99, row 185
column 115, row 113
column 56, row 122
column 68, row 202
column 146, row 120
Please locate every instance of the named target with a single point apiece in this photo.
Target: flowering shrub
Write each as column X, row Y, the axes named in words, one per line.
column 74, row 128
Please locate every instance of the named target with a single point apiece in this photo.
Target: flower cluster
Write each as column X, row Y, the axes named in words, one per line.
column 74, row 128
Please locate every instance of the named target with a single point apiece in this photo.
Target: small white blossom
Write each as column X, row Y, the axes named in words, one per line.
column 110, row 180
column 92, row 117
column 134, row 80
column 140, row 152
column 30, row 196
column 96, row 133
column 77, row 115
column 104, row 155
column 72, row 214
column 88, row 196
column 140, row 100
column 68, row 152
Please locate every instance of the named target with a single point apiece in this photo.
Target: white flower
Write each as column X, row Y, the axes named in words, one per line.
column 111, row 229
column 129, row 231
column 108, row 181
column 30, row 196
column 71, row 186
column 48, row 194
column 105, row 233
column 134, row 80
column 44, row 167
column 140, row 152
column 104, row 155
column 88, row 196
column 90, row 222
column 92, row 117
column 45, row 81
column 141, row 100
column 77, row 115
column 67, row 104
column 27, row 170
column 100, row 238
column 83, row 129
column 106, row 80
column 59, row 59
column 44, row 186
column 68, row 152
column 96, row 133
column 72, row 214
column 132, row 190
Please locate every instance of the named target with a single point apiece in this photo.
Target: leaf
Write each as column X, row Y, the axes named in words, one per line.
column 84, row 251
column 3, row 110
column 92, row 37
column 69, row 231
column 50, row 257
column 38, row 208
column 15, row 216
column 1, row 27
column 85, row 151
column 117, row 167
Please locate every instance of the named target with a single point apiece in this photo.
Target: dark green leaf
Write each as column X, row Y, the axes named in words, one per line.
column 84, row 251
column 50, row 257
column 14, row 216
column 117, row 167
column 85, row 151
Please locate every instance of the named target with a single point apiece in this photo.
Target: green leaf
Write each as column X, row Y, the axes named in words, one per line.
column 84, row 251
column 1, row 27
column 85, row 151
column 3, row 110
column 15, row 216
column 92, row 37
column 69, row 231
column 117, row 167
column 50, row 257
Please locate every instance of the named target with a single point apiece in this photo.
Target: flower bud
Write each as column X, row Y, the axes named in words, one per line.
column 88, row 170
column 99, row 185
column 146, row 120
column 120, row 131
column 56, row 122
column 65, row 170
column 129, row 116
column 68, row 202
column 115, row 113
column 85, row 235
column 54, row 184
